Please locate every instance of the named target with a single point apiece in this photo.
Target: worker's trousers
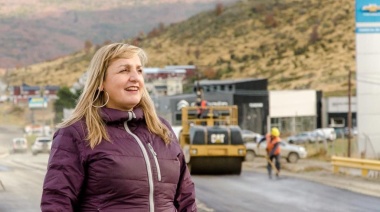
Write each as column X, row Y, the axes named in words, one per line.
column 277, row 163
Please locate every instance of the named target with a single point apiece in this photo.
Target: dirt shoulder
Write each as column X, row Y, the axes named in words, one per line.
column 321, row 172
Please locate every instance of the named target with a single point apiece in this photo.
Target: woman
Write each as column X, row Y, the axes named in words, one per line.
column 114, row 153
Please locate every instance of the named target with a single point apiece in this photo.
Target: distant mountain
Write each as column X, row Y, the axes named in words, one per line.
column 33, row 31
column 296, row 44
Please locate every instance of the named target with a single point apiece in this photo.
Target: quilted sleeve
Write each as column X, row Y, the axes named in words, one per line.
column 65, row 172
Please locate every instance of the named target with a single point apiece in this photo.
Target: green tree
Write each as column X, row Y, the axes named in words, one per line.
column 66, row 99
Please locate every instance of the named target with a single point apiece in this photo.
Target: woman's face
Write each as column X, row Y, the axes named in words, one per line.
column 124, row 83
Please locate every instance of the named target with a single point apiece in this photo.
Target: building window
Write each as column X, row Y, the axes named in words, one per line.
column 293, row 125
column 337, row 122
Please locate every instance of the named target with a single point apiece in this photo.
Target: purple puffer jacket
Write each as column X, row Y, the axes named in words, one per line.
column 134, row 172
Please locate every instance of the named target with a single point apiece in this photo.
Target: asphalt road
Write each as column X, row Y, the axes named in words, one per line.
column 253, row 191
column 22, row 176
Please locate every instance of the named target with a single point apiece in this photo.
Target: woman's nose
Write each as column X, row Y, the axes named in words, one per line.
column 133, row 75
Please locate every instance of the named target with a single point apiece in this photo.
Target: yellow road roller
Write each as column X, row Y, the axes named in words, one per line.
column 212, row 140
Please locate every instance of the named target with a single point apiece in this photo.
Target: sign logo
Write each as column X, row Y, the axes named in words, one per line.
column 181, row 104
column 217, row 138
column 372, row 8
column 218, row 103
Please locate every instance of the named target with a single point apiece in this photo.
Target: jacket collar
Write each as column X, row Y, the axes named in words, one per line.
column 113, row 115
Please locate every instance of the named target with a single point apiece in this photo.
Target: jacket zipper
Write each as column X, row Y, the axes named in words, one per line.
column 147, row 161
column 155, row 161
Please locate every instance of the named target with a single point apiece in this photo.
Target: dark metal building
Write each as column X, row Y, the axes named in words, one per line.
column 250, row 95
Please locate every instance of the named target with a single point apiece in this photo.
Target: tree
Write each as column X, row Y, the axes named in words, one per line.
column 219, row 9
column 314, row 36
column 87, row 45
column 66, row 99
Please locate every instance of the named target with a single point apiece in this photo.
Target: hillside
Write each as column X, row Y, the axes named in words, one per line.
column 296, row 44
column 33, row 31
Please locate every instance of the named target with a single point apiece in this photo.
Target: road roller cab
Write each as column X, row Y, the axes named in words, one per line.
column 212, row 143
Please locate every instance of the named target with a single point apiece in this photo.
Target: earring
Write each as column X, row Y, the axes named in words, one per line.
column 98, row 106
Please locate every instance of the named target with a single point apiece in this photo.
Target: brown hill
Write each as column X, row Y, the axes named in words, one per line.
column 296, row 44
column 33, row 31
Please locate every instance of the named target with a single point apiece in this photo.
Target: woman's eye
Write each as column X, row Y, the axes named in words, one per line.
column 140, row 70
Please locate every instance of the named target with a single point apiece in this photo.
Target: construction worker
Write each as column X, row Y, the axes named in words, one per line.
column 273, row 150
column 202, row 104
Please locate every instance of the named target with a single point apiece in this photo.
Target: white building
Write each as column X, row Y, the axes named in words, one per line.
column 293, row 111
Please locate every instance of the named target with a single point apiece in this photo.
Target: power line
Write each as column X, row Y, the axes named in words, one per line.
column 369, row 82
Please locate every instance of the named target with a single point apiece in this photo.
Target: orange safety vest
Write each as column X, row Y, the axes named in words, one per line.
column 271, row 142
column 202, row 107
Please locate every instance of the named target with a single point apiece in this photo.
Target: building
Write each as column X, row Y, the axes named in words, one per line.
column 294, row 111
column 337, row 111
column 250, row 95
column 20, row 94
column 153, row 74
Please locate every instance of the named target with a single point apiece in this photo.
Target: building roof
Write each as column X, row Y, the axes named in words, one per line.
column 151, row 70
column 181, row 67
column 26, row 87
column 224, row 82
column 52, row 87
column 163, row 70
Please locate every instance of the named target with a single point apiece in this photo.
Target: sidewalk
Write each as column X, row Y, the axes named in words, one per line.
column 321, row 172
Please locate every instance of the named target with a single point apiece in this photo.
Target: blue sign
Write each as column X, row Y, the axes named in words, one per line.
column 38, row 102
column 367, row 29
column 367, row 11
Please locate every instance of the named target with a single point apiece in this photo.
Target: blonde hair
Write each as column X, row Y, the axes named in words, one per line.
column 90, row 96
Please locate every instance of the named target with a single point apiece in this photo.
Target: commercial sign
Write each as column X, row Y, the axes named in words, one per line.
column 37, row 102
column 367, row 16
column 368, row 72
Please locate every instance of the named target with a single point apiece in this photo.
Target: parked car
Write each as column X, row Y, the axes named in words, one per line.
column 41, row 144
column 292, row 153
column 19, row 145
column 325, row 133
column 303, row 137
column 250, row 136
column 354, row 131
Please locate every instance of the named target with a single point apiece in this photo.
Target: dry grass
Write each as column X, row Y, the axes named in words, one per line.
column 12, row 115
column 296, row 44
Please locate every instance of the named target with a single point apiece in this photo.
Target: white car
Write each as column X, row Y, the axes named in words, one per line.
column 301, row 138
column 288, row 151
column 325, row 133
column 19, row 145
column 250, row 136
column 41, row 144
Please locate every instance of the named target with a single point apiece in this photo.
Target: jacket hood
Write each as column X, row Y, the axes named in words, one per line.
column 110, row 115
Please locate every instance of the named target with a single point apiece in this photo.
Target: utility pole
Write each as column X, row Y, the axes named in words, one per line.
column 349, row 114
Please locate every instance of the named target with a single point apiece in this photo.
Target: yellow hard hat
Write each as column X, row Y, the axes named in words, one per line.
column 275, row 132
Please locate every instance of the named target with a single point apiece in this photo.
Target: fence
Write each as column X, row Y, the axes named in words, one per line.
column 364, row 165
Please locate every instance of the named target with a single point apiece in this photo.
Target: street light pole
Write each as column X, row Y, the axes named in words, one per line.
column 349, row 114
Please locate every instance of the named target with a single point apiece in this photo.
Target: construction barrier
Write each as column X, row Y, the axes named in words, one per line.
column 364, row 164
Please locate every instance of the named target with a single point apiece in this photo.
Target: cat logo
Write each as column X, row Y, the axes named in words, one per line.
column 372, row 8
column 217, row 138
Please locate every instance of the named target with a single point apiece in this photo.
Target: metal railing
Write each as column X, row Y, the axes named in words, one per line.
column 364, row 164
